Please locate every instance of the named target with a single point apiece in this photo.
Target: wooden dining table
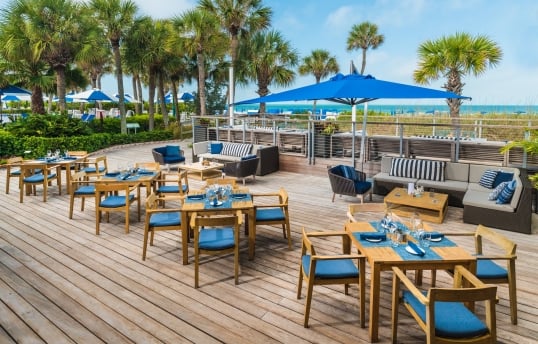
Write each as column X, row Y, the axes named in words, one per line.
column 382, row 256
column 141, row 177
column 200, row 204
column 62, row 163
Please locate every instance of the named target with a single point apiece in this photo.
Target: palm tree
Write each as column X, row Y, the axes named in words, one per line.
column 57, row 31
column 240, row 18
column 453, row 57
column 200, row 36
column 116, row 17
column 364, row 36
column 268, row 59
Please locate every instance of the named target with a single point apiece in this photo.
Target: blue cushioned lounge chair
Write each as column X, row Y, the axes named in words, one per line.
column 345, row 180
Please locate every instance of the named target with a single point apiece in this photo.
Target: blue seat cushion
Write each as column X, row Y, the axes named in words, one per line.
column 15, row 173
column 171, row 189
column 332, row 269
column 115, row 201
column 38, row 178
column 486, row 269
column 91, row 169
column 362, row 187
column 452, row 319
column 270, row 214
column 85, row 190
column 215, row 239
column 165, row 219
column 173, row 159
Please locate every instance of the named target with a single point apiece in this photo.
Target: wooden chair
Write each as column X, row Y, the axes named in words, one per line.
column 221, row 181
column 81, row 188
column 33, row 174
column 322, row 269
column 501, row 250
column 95, row 167
column 115, row 197
column 442, row 313
column 13, row 169
column 272, row 213
column 216, row 235
column 356, row 209
column 158, row 219
column 172, row 186
column 150, row 166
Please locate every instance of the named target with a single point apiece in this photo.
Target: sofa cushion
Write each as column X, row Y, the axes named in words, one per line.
column 421, row 169
column 502, row 177
column 385, row 177
column 457, row 171
column 452, row 185
column 480, row 200
column 488, row 178
column 236, row 149
column 507, row 193
column 497, row 191
column 215, row 148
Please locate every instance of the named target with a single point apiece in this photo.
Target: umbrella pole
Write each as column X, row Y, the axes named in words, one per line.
column 363, row 135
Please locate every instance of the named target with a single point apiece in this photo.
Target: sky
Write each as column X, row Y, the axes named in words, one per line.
column 320, row 24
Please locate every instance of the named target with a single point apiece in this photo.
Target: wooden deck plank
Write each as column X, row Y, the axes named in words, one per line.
column 56, row 273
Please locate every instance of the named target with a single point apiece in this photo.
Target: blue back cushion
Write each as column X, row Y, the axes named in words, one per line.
column 172, row 150
column 215, row 148
column 502, row 177
column 349, row 172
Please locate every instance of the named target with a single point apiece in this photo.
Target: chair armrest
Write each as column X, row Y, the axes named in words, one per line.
column 265, row 194
column 280, row 205
column 341, row 256
column 508, row 257
column 461, row 273
column 399, row 275
column 327, row 234
column 350, row 217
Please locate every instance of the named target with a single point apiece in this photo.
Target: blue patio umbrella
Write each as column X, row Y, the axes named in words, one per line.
column 353, row 89
column 93, row 96
column 11, row 91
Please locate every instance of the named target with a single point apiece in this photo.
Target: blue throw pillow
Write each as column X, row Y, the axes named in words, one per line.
column 172, row 150
column 215, row 148
column 507, row 193
column 488, row 178
column 502, row 177
column 248, row 157
column 497, row 191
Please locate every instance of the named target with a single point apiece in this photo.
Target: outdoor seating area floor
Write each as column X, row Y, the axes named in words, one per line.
column 59, row 282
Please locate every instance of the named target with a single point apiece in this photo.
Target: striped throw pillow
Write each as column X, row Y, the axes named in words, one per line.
column 420, row 169
column 507, row 193
column 488, row 178
column 236, row 149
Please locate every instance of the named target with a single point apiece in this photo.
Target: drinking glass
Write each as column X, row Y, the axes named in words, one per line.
column 394, row 239
column 432, row 193
column 425, row 239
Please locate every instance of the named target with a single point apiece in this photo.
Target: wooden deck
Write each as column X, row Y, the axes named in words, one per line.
column 59, row 282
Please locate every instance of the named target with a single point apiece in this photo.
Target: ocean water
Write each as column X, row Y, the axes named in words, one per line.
column 275, row 108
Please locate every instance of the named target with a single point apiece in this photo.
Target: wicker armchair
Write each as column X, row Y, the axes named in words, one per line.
column 345, row 180
column 242, row 169
column 168, row 155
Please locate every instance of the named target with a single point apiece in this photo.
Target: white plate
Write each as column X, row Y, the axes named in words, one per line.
column 373, row 240
column 239, row 196
column 410, row 250
column 436, row 239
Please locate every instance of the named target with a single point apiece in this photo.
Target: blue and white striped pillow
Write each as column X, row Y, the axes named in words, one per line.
column 507, row 193
column 488, row 178
column 236, row 149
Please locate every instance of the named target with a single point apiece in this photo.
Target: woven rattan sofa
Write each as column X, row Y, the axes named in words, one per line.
column 461, row 182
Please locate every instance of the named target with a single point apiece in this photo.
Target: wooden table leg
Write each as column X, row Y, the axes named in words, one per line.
column 251, row 222
column 185, row 237
column 375, row 285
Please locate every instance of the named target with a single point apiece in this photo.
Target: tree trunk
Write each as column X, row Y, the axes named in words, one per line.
column 201, row 82
column 60, row 87
column 140, row 96
column 38, row 106
column 151, row 100
column 160, row 91
column 121, row 91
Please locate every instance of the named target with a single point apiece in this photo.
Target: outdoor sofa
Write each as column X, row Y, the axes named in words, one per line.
column 463, row 183
column 225, row 152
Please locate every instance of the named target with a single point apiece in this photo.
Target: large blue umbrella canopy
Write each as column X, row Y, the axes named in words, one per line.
column 94, row 95
column 16, row 98
column 14, row 91
column 353, row 89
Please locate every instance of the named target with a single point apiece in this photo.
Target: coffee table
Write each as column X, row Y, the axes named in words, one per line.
column 431, row 206
column 202, row 171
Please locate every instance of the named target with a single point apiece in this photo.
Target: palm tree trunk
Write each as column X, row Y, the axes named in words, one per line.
column 121, row 91
column 151, row 104
column 201, row 82
column 140, row 96
column 160, row 91
column 60, row 87
column 38, row 106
